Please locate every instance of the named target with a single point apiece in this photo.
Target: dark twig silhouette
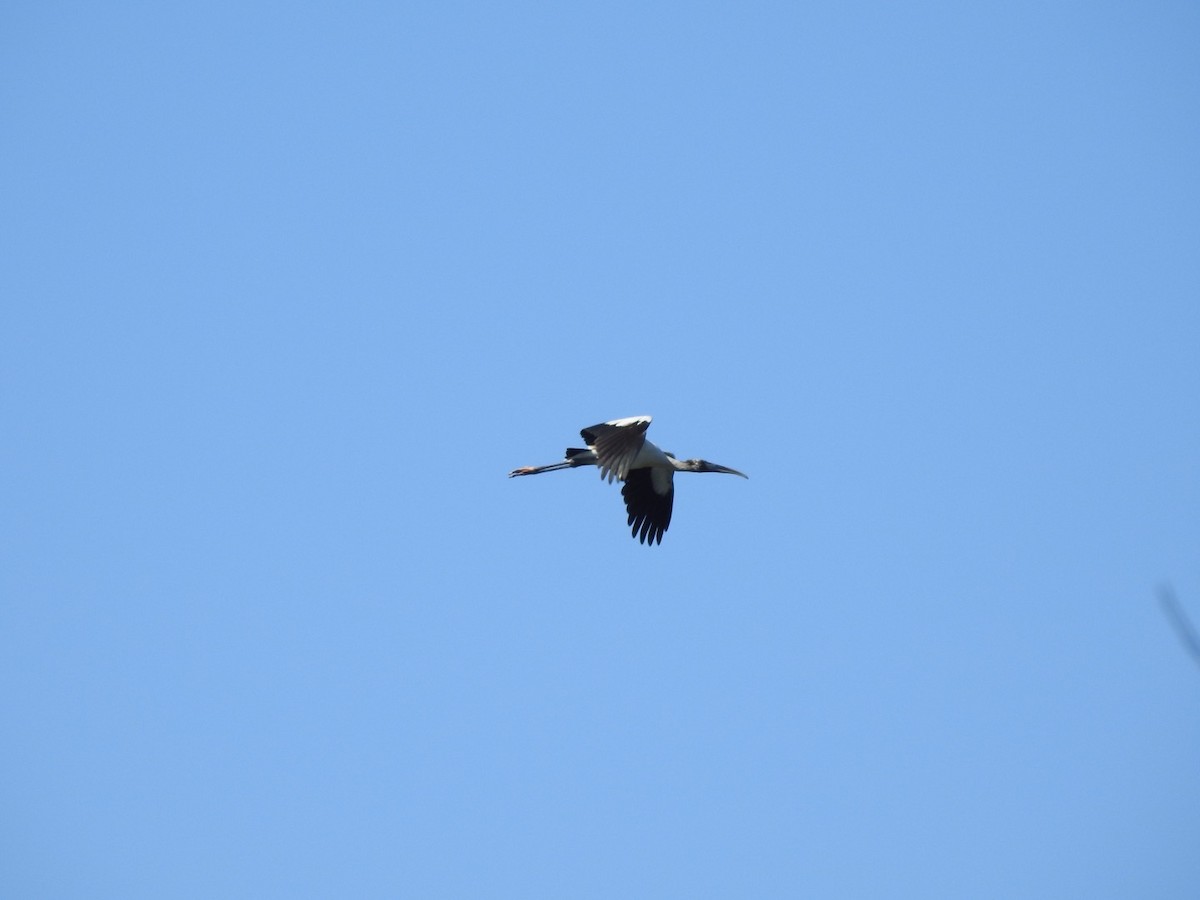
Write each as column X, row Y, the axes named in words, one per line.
column 1179, row 618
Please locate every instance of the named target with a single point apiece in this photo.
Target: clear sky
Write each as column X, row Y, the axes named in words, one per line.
column 289, row 288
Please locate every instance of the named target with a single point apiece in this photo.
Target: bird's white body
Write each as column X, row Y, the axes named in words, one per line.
column 658, row 461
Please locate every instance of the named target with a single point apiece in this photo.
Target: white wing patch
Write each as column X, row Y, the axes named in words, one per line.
column 617, row 444
column 632, row 420
column 661, row 480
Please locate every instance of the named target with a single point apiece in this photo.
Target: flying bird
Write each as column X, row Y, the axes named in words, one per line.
column 620, row 449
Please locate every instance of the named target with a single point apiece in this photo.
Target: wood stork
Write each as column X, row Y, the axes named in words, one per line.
column 622, row 452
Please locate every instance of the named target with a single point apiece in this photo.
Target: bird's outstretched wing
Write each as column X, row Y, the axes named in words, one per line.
column 649, row 506
column 616, row 444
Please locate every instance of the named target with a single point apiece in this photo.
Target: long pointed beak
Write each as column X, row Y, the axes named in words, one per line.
column 713, row 467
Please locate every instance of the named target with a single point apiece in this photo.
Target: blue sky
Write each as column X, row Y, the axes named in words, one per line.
column 289, row 288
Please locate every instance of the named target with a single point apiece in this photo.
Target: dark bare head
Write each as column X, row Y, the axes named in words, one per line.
column 703, row 465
